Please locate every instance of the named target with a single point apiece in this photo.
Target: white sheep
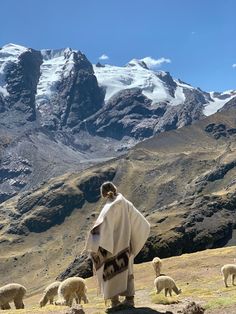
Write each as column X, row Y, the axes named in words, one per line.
column 157, row 264
column 73, row 287
column 167, row 283
column 227, row 270
column 49, row 293
column 12, row 292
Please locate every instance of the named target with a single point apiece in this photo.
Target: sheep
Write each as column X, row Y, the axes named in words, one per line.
column 227, row 270
column 73, row 287
column 12, row 292
column 49, row 293
column 157, row 263
column 167, row 283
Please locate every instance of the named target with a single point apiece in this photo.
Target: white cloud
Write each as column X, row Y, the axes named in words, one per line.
column 103, row 57
column 154, row 63
column 234, row 65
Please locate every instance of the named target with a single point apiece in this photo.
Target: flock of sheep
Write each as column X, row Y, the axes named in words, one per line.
column 168, row 284
column 67, row 290
column 75, row 288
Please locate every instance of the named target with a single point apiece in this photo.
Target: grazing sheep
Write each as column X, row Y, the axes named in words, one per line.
column 227, row 270
column 73, row 287
column 49, row 293
column 12, row 292
column 157, row 263
column 167, row 283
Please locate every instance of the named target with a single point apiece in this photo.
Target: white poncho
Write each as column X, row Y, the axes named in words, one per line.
column 121, row 230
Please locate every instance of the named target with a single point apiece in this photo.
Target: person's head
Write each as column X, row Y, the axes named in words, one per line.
column 108, row 189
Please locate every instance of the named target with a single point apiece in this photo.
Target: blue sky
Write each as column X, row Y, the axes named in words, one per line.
column 197, row 36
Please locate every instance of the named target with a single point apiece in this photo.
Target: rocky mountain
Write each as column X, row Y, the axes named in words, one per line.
column 60, row 113
column 60, row 90
column 183, row 181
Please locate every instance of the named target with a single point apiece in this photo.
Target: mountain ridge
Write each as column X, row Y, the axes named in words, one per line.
column 59, row 112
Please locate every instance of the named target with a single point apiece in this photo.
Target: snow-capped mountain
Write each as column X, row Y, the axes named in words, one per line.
column 61, row 89
column 159, row 86
column 60, row 113
column 55, row 88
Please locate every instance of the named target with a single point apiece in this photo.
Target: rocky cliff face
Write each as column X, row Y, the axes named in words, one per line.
column 61, row 90
column 131, row 114
column 21, row 75
column 43, row 96
column 57, row 89
column 73, row 96
column 231, row 104
column 61, row 113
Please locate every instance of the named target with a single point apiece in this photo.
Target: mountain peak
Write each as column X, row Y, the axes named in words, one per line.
column 12, row 50
column 137, row 63
column 49, row 54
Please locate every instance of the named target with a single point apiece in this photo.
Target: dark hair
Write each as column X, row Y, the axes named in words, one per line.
column 108, row 189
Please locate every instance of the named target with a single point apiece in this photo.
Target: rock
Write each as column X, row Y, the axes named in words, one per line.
column 121, row 115
column 76, row 309
column 22, row 79
column 44, row 208
column 168, row 80
column 220, row 130
column 14, row 171
column 231, row 104
column 81, row 266
column 99, row 65
column 77, row 95
column 193, row 308
column 90, row 185
column 202, row 229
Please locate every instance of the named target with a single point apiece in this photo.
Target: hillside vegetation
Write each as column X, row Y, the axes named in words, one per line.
column 183, row 181
column 197, row 274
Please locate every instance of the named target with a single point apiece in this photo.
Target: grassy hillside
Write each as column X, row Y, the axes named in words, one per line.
column 183, row 181
column 197, row 274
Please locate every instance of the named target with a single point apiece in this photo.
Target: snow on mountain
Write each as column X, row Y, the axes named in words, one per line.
column 57, row 65
column 8, row 54
column 136, row 75
column 218, row 101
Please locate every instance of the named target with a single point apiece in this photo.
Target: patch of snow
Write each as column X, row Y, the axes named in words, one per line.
column 3, row 88
column 8, row 54
column 182, row 84
column 179, row 96
column 137, row 62
column 216, row 103
column 57, row 64
column 52, row 53
column 229, row 92
column 136, row 75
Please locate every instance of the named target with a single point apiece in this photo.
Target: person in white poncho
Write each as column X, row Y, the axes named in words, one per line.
column 117, row 236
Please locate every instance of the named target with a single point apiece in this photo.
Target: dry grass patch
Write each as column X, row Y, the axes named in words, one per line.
column 161, row 299
column 197, row 274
